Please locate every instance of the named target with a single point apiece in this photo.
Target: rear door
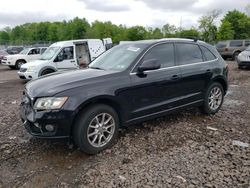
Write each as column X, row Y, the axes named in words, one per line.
column 195, row 72
column 66, row 58
column 159, row 89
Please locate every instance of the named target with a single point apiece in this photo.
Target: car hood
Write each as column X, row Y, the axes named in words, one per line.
column 15, row 56
column 53, row 84
column 34, row 63
column 246, row 52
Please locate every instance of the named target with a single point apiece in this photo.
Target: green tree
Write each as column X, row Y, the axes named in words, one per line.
column 208, row 27
column 186, row 33
column 225, row 31
column 169, row 30
column 136, row 33
column 240, row 23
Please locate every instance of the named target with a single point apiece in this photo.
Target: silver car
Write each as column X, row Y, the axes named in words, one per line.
column 243, row 58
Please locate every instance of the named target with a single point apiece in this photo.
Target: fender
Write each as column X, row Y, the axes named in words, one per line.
column 46, row 67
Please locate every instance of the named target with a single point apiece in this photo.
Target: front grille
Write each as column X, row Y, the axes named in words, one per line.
column 4, row 58
column 23, row 70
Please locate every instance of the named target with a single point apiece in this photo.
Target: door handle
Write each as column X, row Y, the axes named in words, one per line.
column 72, row 61
column 175, row 77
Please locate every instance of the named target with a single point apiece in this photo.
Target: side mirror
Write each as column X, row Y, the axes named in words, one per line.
column 151, row 64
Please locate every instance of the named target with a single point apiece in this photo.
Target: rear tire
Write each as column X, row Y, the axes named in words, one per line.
column 47, row 71
column 213, row 99
column 96, row 128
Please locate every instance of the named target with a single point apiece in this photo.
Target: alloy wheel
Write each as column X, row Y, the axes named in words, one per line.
column 101, row 129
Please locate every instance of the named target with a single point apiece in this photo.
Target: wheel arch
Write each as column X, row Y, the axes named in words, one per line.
column 222, row 81
column 107, row 100
column 45, row 68
column 20, row 60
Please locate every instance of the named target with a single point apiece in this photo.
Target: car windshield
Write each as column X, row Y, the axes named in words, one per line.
column 25, row 51
column 49, row 53
column 118, row 58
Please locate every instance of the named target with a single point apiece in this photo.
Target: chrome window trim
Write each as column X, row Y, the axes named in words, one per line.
column 165, row 68
column 169, row 42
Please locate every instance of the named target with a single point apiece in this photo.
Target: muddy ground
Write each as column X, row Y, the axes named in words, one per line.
column 186, row 149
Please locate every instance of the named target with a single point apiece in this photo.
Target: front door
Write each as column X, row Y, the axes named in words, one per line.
column 158, row 90
column 66, row 59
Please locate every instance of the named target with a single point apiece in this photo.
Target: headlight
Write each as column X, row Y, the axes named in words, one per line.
column 50, row 103
column 31, row 69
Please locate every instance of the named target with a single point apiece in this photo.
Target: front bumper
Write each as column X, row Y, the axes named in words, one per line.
column 244, row 62
column 35, row 121
column 27, row 75
column 7, row 62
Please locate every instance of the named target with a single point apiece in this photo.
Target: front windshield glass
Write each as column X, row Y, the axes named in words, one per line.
column 25, row 51
column 49, row 53
column 118, row 58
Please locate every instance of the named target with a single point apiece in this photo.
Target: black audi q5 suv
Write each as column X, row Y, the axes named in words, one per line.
column 130, row 83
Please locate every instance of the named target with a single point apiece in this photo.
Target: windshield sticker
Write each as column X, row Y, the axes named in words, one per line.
column 133, row 49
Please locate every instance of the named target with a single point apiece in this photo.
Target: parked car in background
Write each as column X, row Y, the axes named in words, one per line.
column 232, row 48
column 64, row 55
column 2, row 54
column 130, row 83
column 14, row 49
column 17, row 60
column 243, row 59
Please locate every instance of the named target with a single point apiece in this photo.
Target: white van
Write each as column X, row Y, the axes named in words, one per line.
column 63, row 55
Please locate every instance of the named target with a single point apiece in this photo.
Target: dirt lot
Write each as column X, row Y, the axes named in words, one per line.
column 186, row 149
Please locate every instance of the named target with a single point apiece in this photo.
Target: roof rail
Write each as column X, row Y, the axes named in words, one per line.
column 193, row 38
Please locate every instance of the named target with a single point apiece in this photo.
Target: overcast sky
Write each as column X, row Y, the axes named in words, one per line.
column 149, row 13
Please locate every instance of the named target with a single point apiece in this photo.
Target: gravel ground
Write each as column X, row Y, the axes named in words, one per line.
column 186, row 149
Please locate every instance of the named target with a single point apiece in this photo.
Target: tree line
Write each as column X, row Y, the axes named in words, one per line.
column 234, row 25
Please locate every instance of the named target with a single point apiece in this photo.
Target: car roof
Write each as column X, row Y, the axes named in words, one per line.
column 154, row 41
column 70, row 42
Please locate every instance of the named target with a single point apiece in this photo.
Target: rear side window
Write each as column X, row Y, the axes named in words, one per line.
column 236, row 43
column 208, row 55
column 188, row 53
column 247, row 42
column 164, row 53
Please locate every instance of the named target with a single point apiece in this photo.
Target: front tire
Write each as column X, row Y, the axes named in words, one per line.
column 96, row 128
column 213, row 99
column 19, row 63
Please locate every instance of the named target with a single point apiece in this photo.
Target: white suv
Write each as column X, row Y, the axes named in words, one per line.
column 28, row 54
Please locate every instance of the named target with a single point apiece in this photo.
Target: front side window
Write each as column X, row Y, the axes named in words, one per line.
column 66, row 53
column 208, row 55
column 188, row 53
column 164, row 53
column 236, row 43
column 34, row 51
column 43, row 50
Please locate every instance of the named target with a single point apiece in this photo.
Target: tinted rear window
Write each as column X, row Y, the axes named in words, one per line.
column 188, row 53
column 236, row 43
column 208, row 55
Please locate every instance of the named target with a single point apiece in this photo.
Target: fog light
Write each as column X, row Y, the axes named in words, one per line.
column 49, row 128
